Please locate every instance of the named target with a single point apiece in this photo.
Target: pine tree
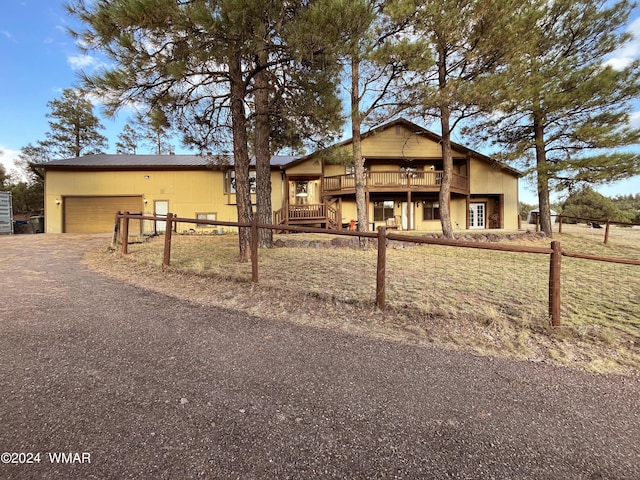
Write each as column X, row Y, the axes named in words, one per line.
column 157, row 129
column 375, row 77
column 128, row 141
column 206, row 63
column 469, row 41
column 5, row 179
column 73, row 128
column 560, row 100
column 586, row 203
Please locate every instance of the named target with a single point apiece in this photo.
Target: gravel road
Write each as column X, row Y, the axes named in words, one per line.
column 135, row 384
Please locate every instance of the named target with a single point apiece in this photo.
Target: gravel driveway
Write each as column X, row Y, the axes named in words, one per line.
column 135, row 384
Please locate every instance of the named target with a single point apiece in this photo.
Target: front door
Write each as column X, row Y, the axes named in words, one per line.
column 160, row 209
column 406, row 208
column 476, row 215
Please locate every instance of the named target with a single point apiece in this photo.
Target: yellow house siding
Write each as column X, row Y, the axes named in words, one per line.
column 349, row 211
column 511, row 209
column 330, row 170
column 400, row 142
column 277, row 190
column 311, row 166
column 458, row 214
column 188, row 192
column 486, row 179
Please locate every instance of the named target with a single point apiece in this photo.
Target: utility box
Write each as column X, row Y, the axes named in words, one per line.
column 37, row 223
column 6, row 214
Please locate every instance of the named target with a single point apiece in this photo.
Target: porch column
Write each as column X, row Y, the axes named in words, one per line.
column 367, row 197
column 286, row 200
column 468, row 201
column 286, row 212
column 409, row 211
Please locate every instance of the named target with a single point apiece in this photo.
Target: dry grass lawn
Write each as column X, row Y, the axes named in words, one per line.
column 489, row 302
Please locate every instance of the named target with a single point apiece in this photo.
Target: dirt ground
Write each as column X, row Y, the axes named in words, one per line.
column 150, row 386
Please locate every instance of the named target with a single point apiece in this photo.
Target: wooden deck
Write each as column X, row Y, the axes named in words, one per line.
column 308, row 214
column 393, row 181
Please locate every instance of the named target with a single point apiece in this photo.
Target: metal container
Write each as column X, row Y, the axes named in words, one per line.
column 6, row 214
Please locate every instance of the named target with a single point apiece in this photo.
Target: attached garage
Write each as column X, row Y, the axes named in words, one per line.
column 96, row 214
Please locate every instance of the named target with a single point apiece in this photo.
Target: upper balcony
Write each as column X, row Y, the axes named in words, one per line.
column 395, row 181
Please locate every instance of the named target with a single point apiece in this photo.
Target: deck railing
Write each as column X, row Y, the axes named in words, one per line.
column 319, row 212
column 396, row 179
column 312, row 210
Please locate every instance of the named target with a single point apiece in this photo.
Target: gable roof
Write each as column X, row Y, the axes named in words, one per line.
column 418, row 130
column 107, row 161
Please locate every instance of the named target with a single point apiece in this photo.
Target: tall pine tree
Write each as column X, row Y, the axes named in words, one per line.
column 563, row 112
column 212, row 63
column 74, row 129
column 373, row 55
column 469, row 41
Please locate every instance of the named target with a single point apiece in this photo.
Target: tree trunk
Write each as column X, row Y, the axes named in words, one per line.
column 263, row 155
column 358, row 161
column 447, row 175
column 240, row 155
column 447, row 157
column 77, row 147
column 544, row 206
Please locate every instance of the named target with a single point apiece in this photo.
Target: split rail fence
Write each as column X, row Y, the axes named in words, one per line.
column 597, row 221
column 555, row 252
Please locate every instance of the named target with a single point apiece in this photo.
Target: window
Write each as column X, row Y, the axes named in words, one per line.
column 431, row 211
column 206, row 216
column 382, row 210
column 302, row 194
column 230, row 181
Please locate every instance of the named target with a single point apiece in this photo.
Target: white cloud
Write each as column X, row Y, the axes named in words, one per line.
column 79, row 62
column 630, row 51
column 8, row 35
column 7, row 159
column 634, row 119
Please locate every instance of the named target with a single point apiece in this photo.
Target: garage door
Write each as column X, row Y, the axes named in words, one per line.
column 96, row 214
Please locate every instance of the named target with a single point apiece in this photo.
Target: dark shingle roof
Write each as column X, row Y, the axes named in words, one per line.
column 125, row 161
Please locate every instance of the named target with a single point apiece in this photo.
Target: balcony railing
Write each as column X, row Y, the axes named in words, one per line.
column 307, row 211
column 384, row 181
column 319, row 212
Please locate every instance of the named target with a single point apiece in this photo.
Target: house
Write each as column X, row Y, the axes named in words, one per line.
column 403, row 163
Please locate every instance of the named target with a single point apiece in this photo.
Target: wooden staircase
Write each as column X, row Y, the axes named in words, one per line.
column 308, row 214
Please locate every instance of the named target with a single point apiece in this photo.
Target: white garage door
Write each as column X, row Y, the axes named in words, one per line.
column 96, row 214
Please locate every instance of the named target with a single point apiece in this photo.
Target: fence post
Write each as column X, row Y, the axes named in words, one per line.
column 554, row 283
column 381, row 268
column 254, row 249
column 166, row 261
column 606, row 233
column 116, row 231
column 125, row 233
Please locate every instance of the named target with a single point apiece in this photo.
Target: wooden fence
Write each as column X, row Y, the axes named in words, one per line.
column 596, row 221
column 555, row 252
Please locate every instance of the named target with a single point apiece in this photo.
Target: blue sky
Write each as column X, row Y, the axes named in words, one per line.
column 38, row 59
